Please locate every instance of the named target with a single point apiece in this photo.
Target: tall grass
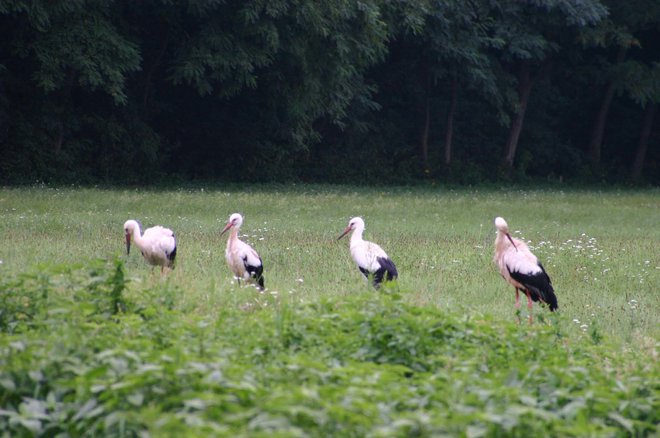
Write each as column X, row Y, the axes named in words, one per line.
column 601, row 248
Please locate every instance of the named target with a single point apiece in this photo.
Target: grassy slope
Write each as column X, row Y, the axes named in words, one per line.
column 192, row 353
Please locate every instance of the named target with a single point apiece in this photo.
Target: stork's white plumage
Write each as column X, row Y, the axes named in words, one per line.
column 370, row 258
column 157, row 244
column 242, row 259
column 521, row 269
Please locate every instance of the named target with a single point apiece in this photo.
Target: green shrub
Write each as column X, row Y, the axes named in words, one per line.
column 77, row 357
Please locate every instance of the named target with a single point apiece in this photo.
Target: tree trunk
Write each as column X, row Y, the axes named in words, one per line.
column 450, row 121
column 151, row 69
column 598, row 130
column 4, row 115
column 525, row 83
column 59, row 138
column 424, row 143
column 640, row 155
column 66, row 104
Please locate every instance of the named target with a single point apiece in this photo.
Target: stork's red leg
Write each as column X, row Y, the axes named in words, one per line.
column 529, row 305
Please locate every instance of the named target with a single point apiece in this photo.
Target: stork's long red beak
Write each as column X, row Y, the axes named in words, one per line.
column 346, row 231
column 228, row 226
column 128, row 243
column 511, row 240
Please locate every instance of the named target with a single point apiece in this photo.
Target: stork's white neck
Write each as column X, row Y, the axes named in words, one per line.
column 501, row 241
column 233, row 236
column 356, row 237
column 136, row 234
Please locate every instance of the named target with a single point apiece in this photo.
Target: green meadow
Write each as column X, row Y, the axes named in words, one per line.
column 95, row 342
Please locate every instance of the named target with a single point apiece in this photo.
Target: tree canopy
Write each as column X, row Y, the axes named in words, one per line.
column 336, row 91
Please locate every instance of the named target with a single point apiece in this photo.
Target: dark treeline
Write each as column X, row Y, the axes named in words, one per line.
column 333, row 90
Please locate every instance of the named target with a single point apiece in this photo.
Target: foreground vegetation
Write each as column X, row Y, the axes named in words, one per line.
column 79, row 357
column 93, row 342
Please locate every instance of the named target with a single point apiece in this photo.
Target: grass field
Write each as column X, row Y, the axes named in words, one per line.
column 319, row 352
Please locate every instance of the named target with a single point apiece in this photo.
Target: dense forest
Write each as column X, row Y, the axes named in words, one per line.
column 460, row 91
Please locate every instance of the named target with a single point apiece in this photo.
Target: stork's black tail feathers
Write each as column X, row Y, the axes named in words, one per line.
column 386, row 272
column 171, row 257
column 548, row 292
column 256, row 272
column 539, row 287
column 546, row 295
column 258, row 275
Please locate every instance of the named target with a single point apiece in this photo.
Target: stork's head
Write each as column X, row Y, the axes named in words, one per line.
column 503, row 227
column 129, row 228
column 235, row 221
column 354, row 224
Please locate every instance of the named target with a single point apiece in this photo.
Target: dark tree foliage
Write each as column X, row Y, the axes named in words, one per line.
column 339, row 90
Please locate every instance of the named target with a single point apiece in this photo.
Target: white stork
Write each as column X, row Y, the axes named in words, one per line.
column 369, row 257
column 242, row 259
column 520, row 268
column 157, row 244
